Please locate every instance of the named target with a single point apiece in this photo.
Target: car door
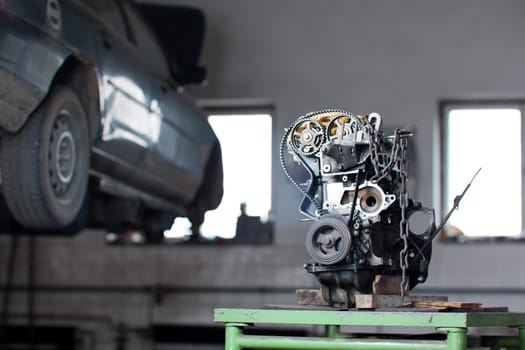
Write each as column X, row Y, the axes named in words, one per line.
column 184, row 142
column 126, row 85
column 179, row 134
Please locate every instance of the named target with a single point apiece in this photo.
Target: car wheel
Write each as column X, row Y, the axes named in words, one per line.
column 45, row 166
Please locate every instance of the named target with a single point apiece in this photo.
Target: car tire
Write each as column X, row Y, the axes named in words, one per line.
column 45, row 166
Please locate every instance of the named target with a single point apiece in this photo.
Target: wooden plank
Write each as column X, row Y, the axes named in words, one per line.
column 388, row 285
column 371, row 301
column 310, row 297
column 314, row 297
column 447, row 305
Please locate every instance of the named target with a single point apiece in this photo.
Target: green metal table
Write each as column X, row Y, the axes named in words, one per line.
column 455, row 324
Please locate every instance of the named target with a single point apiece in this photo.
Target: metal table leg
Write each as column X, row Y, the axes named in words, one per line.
column 521, row 334
column 456, row 338
column 331, row 331
column 233, row 331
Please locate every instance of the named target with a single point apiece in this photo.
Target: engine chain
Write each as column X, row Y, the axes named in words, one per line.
column 403, row 203
column 399, row 149
column 380, row 174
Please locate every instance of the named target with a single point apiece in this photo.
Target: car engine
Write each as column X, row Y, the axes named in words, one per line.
column 358, row 202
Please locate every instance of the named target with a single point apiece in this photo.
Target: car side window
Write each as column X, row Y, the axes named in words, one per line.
column 110, row 14
column 146, row 42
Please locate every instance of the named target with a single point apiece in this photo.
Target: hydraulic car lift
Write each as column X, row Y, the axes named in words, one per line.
column 455, row 324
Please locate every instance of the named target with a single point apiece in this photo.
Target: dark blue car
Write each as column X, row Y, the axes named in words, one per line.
column 95, row 128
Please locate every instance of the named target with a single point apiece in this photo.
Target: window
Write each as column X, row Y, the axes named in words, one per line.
column 246, row 143
column 486, row 136
column 146, row 42
column 109, row 12
column 246, row 152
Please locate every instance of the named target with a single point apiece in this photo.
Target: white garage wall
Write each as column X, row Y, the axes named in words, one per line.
column 398, row 58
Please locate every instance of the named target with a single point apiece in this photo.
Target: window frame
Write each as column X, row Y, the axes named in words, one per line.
column 440, row 156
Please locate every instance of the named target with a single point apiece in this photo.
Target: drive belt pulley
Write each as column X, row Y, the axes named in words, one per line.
column 328, row 241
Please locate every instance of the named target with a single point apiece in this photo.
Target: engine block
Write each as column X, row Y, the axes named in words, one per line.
column 357, row 199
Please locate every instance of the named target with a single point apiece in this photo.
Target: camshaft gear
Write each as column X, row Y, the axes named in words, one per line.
column 307, row 137
column 342, row 126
